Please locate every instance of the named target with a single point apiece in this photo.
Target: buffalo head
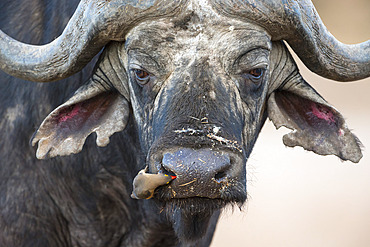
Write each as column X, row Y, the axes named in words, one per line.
column 199, row 78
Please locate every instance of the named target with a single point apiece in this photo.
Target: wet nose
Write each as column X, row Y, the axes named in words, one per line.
column 199, row 172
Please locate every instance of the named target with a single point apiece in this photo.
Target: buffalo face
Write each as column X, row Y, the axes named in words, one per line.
column 199, row 107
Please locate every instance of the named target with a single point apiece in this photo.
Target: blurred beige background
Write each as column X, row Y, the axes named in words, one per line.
column 300, row 199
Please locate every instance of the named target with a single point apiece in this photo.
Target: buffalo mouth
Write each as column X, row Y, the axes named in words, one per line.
column 231, row 192
column 193, row 217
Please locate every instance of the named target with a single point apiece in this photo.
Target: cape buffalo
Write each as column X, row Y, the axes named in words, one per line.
column 180, row 88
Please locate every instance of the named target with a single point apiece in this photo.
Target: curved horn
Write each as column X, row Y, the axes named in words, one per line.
column 94, row 24
column 299, row 24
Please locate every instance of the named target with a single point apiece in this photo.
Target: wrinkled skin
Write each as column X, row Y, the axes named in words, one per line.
column 198, row 81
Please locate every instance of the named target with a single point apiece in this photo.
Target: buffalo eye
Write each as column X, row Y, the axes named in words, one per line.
column 256, row 74
column 142, row 77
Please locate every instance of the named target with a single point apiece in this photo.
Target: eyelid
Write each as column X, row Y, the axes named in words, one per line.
column 262, row 66
column 244, row 69
column 134, row 66
column 249, row 62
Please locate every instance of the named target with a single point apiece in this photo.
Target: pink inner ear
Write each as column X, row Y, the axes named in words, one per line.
column 84, row 114
column 307, row 113
column 67, row 115
column 322, row 112
column 316, row 126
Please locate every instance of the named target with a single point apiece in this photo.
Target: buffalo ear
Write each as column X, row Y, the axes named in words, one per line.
column 91, row 109
column 317, row 126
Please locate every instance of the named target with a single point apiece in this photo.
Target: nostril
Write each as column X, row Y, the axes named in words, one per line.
column 220, row 176
column 168, row 172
